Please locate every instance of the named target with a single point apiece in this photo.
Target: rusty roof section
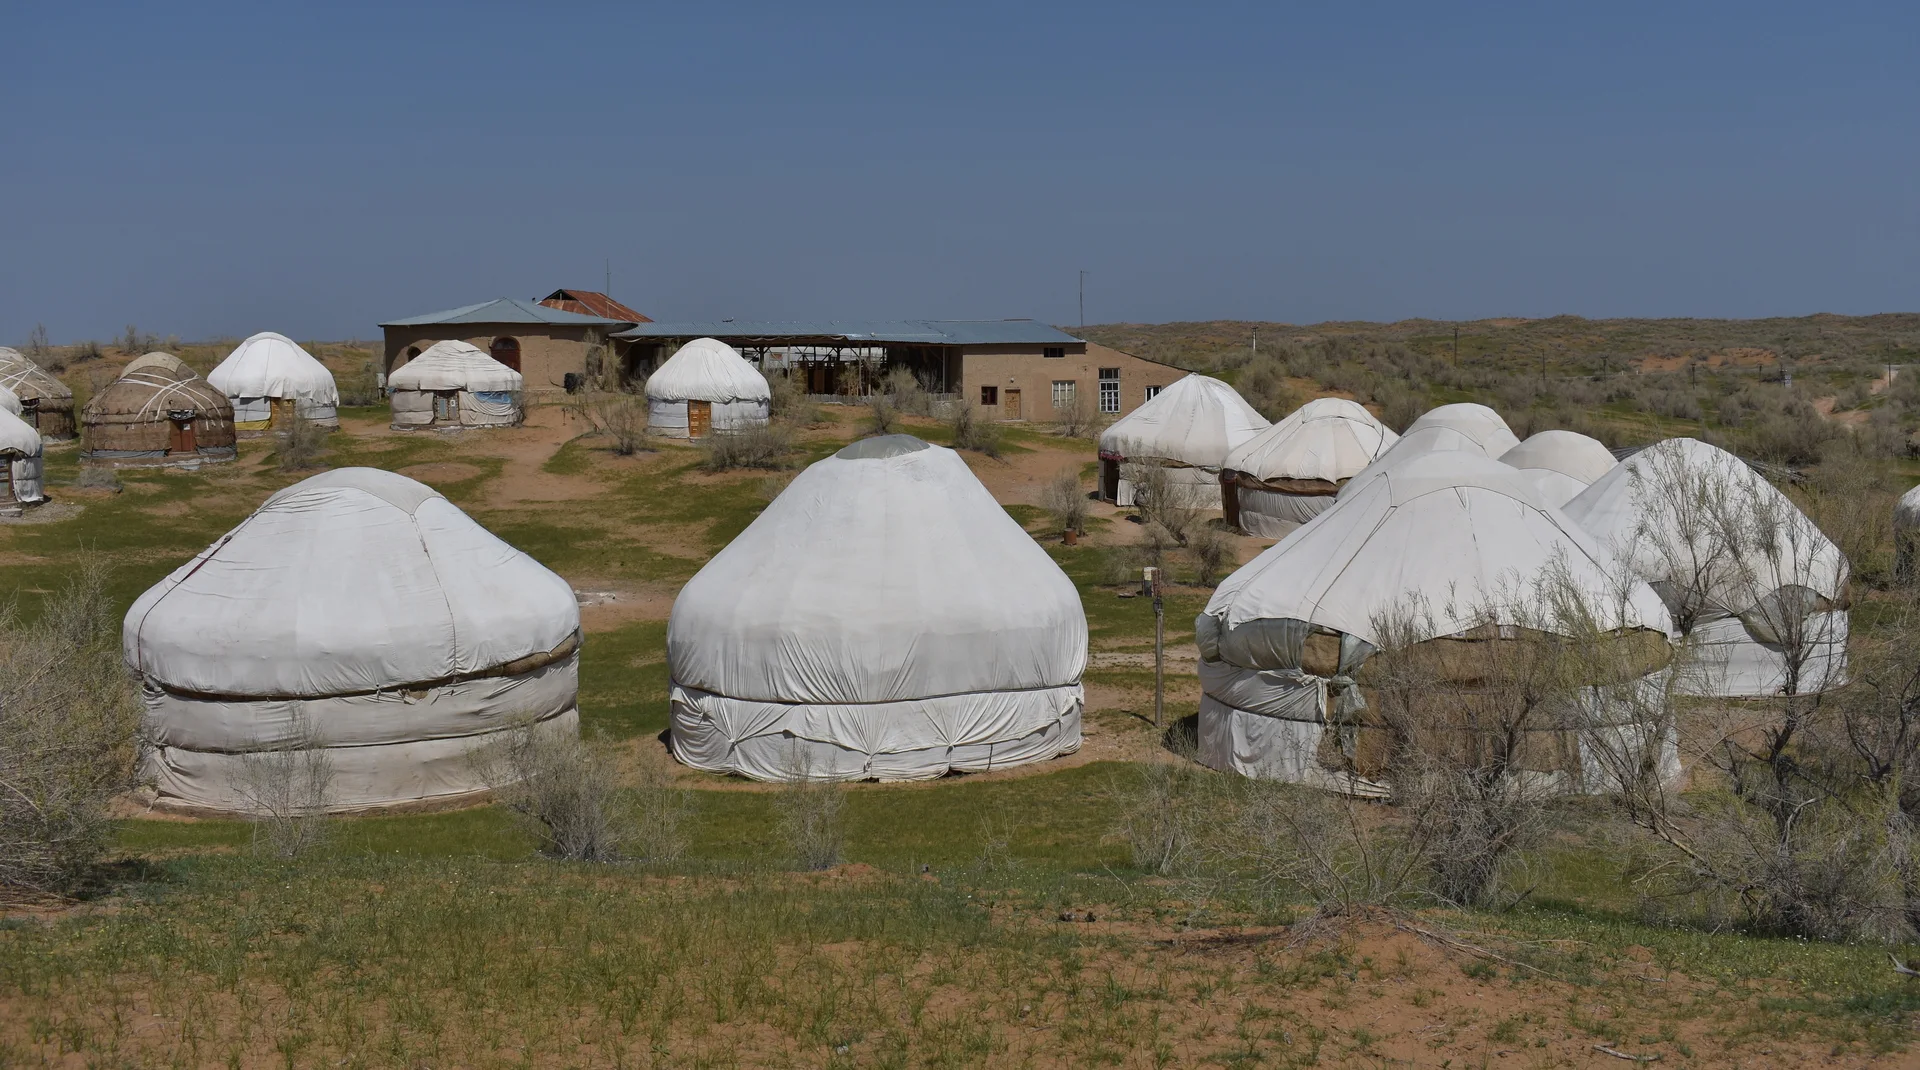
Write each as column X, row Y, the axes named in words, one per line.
column 590, row 303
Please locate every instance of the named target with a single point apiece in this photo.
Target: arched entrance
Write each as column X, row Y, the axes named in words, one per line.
column 506, row 351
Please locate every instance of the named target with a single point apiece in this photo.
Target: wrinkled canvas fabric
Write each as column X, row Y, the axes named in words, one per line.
column 709, row 370
column 1330, row 439
column 268, row 366
column 19, row 436
column 455, row 365
column 1192, row 424
column 885, row 606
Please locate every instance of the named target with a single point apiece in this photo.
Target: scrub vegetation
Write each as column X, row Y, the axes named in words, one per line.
column 1124, row 906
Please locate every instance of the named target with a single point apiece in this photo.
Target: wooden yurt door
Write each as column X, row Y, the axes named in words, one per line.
column 445, row 407
column 180, row 437
column 282, row 412
column 699, row 418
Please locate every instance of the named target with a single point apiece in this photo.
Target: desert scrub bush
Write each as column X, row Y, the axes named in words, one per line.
column 1161, row 498
column 883, row 415
column 907, row 392
column 811, row 816
column 69, row 718
column 1340, row 853
column 361, row 386
column 1212, row 551
column 565, row 790
column 1164, row 809
column 1066, row 502
column 1077, row 419
column 287, row 792
column 970, row 432
column 766, row 446
column 620, row 417
column 300, row 445
column 1264, row 385
column 98, row 479
column 788, row 401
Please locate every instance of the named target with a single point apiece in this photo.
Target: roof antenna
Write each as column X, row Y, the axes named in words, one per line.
column 609, row 283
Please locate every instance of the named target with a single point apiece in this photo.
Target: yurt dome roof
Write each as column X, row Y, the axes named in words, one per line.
column 1327, row 438
column 1197, row 421
column 1477, row 422
column 17, row 434
column 352, row 581
column 1559, row 464
column 1906, row 511
column 707, row 369
column 1448, row 536
column 884, row 573
column 1417, row 442
column 161, row 362
column 29, row 380
column 455, row 365
column 270, row 365
column 152, row 385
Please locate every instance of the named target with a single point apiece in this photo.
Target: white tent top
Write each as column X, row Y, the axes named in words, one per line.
column 270, row 365
column 1640, row 510
column 1449, row 533
column 1327, row 438
column 165, row 362
column 707, row 369
column 1560, row 464
column 455, row 365
column 17, row 434
column 1477, row 422
column 883, row 573
column 17, row 371
column 1415, row 443
column 9, row 401
column 353, row 581
column 1906, row 511
column 1196, row 421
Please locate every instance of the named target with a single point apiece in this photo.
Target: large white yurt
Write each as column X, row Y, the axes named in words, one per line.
column 1759, row 591
column 454, row 384
column 1478, row 422
column 1559, row 464
column 885, row 619
column 1188, row 429
column 269, row 378
column 361, row 613
column 1289, row 473
column 1415, row 443
column 1440, row 542
column 706, row 386
column 21, row 448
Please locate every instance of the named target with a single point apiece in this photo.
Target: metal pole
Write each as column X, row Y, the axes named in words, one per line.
column 1083, row 297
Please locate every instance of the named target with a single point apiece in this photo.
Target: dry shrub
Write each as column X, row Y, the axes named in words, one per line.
column 620, row 417
column 1164, row 811
column 567, row 792
column 883, row 415
column 907, row 392
column 300, row 445
column 1212, row 551
column 765, row 446
column 69, row 719
column 811, row 816
column 1159, row 498
column 1079, row 419
column 1264, row 385
column 790, row 403
column 1844, row 495
column 287, row 791
column 1342, row 854
column 98, row 479
column 361, row 386
column 972, row 433
column 1066, row 501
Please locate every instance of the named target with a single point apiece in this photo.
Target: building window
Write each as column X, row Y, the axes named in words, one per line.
column 989, row 395
column 506, row 351
column 1153, row 392
column 1063, row 393
column 1109, row 390
column 1053, row 351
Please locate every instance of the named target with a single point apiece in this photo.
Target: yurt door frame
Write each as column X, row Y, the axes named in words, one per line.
column 699, row 419
column 180, row 436
column 446, row 406
column 281, row 414
column 7, row 457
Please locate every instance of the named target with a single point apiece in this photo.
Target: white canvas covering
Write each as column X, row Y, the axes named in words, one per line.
column 1478, row 422
column 1447, row 536
column 1188, row 428
column 10, row 402
column 361, row 612
column 269, row 366
column 483, row 392
column 1906, row 533
column 1413, row 444
column 1559, row 464
column 1326, row 441
column 712, row 371
column 26, row 469
column 883, row 618
column 1682, row 515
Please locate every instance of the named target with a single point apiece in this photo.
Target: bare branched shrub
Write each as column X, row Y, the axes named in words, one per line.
column 566, row 790
column 908, row 395
column 972, row 433
column 1264, row 385
column 361, row 386
column 1212, row 551
column 1845, row 497
column 789, row 401
column 1164, row 810
column 811, row 815
column 301, row 445
column 1341, row 853
column 765, row 446
column 69, row 718
column 1162, row 498
column 1078, row 418
column 883, row 415
column 287, row 791
column 38, row 347
column 620, row 417
column 1066, row 501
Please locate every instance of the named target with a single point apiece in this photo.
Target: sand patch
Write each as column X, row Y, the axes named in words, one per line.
column 436, row 472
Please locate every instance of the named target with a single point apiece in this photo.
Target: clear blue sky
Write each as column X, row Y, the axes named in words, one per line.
column 207, row 169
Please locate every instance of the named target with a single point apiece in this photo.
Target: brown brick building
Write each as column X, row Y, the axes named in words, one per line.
column 545, row 344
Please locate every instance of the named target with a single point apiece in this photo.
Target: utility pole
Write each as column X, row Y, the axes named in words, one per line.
column 1456, row 346
column 1256, row 343
column 1083, row 297
column 609, row 283
column 1152, row 577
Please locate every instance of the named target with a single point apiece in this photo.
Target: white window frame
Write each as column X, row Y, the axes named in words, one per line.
column 1072, row 391
column 1153, row 392
column 1109, row 391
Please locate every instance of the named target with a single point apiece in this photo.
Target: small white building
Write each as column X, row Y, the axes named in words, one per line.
column 704, row 388
column 1289, row 473
column 1188, row 429
column 454, row 384
column 269, row 378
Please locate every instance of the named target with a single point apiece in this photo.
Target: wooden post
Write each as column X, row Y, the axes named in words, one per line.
column 1159, row 649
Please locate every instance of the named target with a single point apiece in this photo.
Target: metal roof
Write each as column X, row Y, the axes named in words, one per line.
column 593, row 303
column 507, row 310
column 908, row 332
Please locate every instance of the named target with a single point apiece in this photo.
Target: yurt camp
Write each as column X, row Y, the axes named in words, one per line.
column 1477, row 422
column 1188, row 429
column 451, row 385
column 1473, row 429
column 46, row 402
column 1559, row 464
column 20, row 451
column 269, row 379
column 158, row 412
column 1289, row 473
column 1443, row 558
column 706, row 387
column 884, row 618
column 1757, row 589
column 358, row 614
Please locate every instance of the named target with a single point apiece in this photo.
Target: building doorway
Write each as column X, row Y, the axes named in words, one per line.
column 180, row 437
column 1011, row 408
column 506, row 351
column 446, row 407
column 699, row 419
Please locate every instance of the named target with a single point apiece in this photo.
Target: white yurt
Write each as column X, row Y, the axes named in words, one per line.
column 10, row 401
column 269, row 378
column 454, row 384
column 1415, row 443
column 706, row 386
column 1559, row 464
column 358, row 613
column 1906, row 534
column 1445, row 540
column 1289, row 473
column 1477, row 422
column 1188, row 429
column 884, row 619
column 21, row 448
column 1757, row 606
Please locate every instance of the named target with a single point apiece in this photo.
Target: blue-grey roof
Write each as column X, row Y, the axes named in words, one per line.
column 506, row 310
column 865, row 332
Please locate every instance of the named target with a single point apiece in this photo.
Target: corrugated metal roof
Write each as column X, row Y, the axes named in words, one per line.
column 507, row 310
column 592, row 303
column 908, row 332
